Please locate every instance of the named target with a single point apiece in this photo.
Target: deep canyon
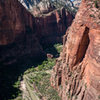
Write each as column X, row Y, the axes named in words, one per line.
column 26, row 35
column 76, row 74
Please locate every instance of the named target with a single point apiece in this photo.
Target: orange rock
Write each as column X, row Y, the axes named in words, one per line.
column 76, row 75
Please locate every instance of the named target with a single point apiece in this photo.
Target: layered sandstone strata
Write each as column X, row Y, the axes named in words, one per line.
column 17, row 32
column 52, row 26
column 21, row 34
column 76, row 75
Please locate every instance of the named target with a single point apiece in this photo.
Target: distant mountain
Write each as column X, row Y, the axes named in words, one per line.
column 76, row 3
column 29, row 3
column 43, row 6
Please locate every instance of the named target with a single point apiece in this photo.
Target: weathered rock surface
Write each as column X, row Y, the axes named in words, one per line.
column 43, row 7
column 52, row 26
column 21, row 34
column 37, row 7
column 76, row 74
column 17, row 32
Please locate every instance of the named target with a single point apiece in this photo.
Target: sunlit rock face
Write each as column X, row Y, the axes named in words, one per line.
column 40, row 4
column 45, row 6
column 17, row 33
column 76, row 75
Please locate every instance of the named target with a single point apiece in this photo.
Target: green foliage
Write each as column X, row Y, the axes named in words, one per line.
column 17, row 84
column 18, row 98
column 85, row 86
column 42, row 82
column 46, row 65
column 58, row 47
column 99, row 97
column 91, row 15
column 54, row 49
column 29, row 70
column 96, row 4
column 39, row 75
column 13, row 75
column 66, row 83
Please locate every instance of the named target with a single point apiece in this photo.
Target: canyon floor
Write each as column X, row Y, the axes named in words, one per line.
column 31, row 80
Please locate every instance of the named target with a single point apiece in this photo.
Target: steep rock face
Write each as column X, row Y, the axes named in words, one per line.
column 17, row 32
column 52, row 26
column 37, row 7
column 43, row 7
column 76, row 74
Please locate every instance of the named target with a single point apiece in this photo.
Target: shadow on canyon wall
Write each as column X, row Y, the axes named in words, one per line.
column 10, row 74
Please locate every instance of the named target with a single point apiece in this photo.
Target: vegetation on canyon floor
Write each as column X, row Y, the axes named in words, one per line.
column 39, row 82
column 37, row 73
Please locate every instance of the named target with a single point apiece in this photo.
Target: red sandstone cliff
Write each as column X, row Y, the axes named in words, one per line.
column 21, row 34
column 76, row 74
column 17, row 32
column 52, row 26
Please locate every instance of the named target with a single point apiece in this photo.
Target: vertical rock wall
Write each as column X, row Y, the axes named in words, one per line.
column 52, row 26
column 17, row 32
column 76, row 75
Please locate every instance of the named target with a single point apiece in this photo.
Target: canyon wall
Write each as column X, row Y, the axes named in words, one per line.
column 17, row 33
column 76, row 75
column 21, row 34
column 52, row 26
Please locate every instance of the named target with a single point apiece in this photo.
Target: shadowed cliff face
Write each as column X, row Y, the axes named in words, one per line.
column 76, row 74
column 19, row 46
column 17, row 32
column 21, row 34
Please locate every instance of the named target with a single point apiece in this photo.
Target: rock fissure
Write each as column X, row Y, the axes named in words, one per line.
column 83, row 46
column 79, row 58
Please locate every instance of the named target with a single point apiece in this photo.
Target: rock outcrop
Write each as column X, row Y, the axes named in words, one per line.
column 43, row 7
column 52, row 26
column 76, row 75
column 17, row 32
column 37, row 7
column 77, row 3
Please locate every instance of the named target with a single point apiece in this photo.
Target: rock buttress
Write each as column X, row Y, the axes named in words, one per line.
column 76, row 75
